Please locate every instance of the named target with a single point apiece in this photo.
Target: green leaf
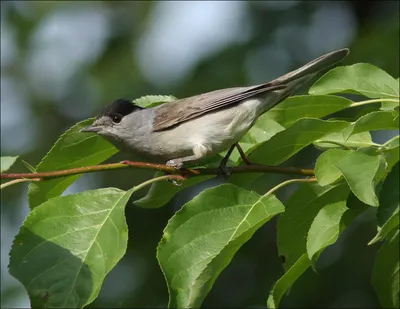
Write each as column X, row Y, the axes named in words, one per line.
column 386, row 273
column 337, row 139
column 262, row 131
column 287, row 280
column 161, row 192
column 392, row 224
column 67, row 245
column 389, row 196
column 153, row 100
column 330, row 221
column 202, row 238
column 306, row 106
column 389, row 106
column 380, row 120
column 391, row 153
column 6, row 163
column 301, row 209
column 360, row 78
column 72, row 149
column 359, row 170
column 285, row 144
column 325, row 170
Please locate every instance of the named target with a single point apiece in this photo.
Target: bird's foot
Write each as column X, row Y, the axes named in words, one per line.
column 225, row 170
column 173, row 163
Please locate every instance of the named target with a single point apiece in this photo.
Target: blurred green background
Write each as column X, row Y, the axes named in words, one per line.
column 62, row 61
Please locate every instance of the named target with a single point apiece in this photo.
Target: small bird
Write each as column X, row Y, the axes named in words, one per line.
column 190, row 129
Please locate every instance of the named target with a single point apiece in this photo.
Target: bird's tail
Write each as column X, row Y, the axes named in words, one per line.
column 310, row 69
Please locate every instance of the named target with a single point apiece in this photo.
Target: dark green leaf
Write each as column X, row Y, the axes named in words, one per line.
column 360, row 78
column 72, row 149
column 389, row 196
column 29, row 167
column 153, row 100
column 297, row 107
column 202, row 238
column 359, row 169
column 68, row 244
column 325, row 170
column 6, row 163
column 287, row 280
column 386, row 273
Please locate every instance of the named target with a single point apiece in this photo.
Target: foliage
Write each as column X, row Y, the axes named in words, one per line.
column 68, row 244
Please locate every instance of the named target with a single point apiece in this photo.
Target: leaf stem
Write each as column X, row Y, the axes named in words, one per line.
column 389, row 141
column 160, row 178
column 15, row 181
column 373, row 101
column 288, row 182
column 253, row 168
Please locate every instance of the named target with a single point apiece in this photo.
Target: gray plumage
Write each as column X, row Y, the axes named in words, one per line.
column 189, row 129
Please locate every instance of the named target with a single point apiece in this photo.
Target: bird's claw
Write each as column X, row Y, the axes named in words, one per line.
column 172, row 163
column 225, row 170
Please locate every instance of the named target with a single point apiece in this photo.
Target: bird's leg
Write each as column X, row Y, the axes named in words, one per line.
column 224, row 161
column 242, row 154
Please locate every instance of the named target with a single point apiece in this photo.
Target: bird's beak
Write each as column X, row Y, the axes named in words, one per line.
column 91, row 128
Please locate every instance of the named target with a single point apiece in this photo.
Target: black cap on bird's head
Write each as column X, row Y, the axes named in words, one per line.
column 115, row 111
column 121, row 107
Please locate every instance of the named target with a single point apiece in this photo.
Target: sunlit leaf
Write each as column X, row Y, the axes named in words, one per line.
column 386, row 273
column 287, row 143
column 380, row 120
column 6, row 163
column 72, row 149
column 67, row 245
column 330, row 221
column 202, row 238
column 359, row 169
column 338, row 140
column 325, row 170
column 153, row 100
column 300, row 211
column 360, row 78
column 306, row 106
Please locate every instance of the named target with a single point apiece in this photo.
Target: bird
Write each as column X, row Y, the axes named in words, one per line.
column 186, row 131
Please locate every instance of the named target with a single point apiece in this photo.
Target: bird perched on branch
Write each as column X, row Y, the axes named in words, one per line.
column 190, row 129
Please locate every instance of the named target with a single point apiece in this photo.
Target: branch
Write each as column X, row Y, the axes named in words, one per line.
column 253, row 168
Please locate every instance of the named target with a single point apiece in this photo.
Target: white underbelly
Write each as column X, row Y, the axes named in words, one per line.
column 216, row 131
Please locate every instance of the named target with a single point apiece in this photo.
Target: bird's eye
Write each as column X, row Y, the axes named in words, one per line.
column 116, row 118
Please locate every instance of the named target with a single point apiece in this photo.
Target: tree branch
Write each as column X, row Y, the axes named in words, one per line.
column 253, row 168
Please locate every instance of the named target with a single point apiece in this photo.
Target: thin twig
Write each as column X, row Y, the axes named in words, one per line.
column 287, row 182
column 15, row 181
column 360, row 103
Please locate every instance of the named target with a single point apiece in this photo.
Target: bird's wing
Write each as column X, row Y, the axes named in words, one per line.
column 176, row 112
